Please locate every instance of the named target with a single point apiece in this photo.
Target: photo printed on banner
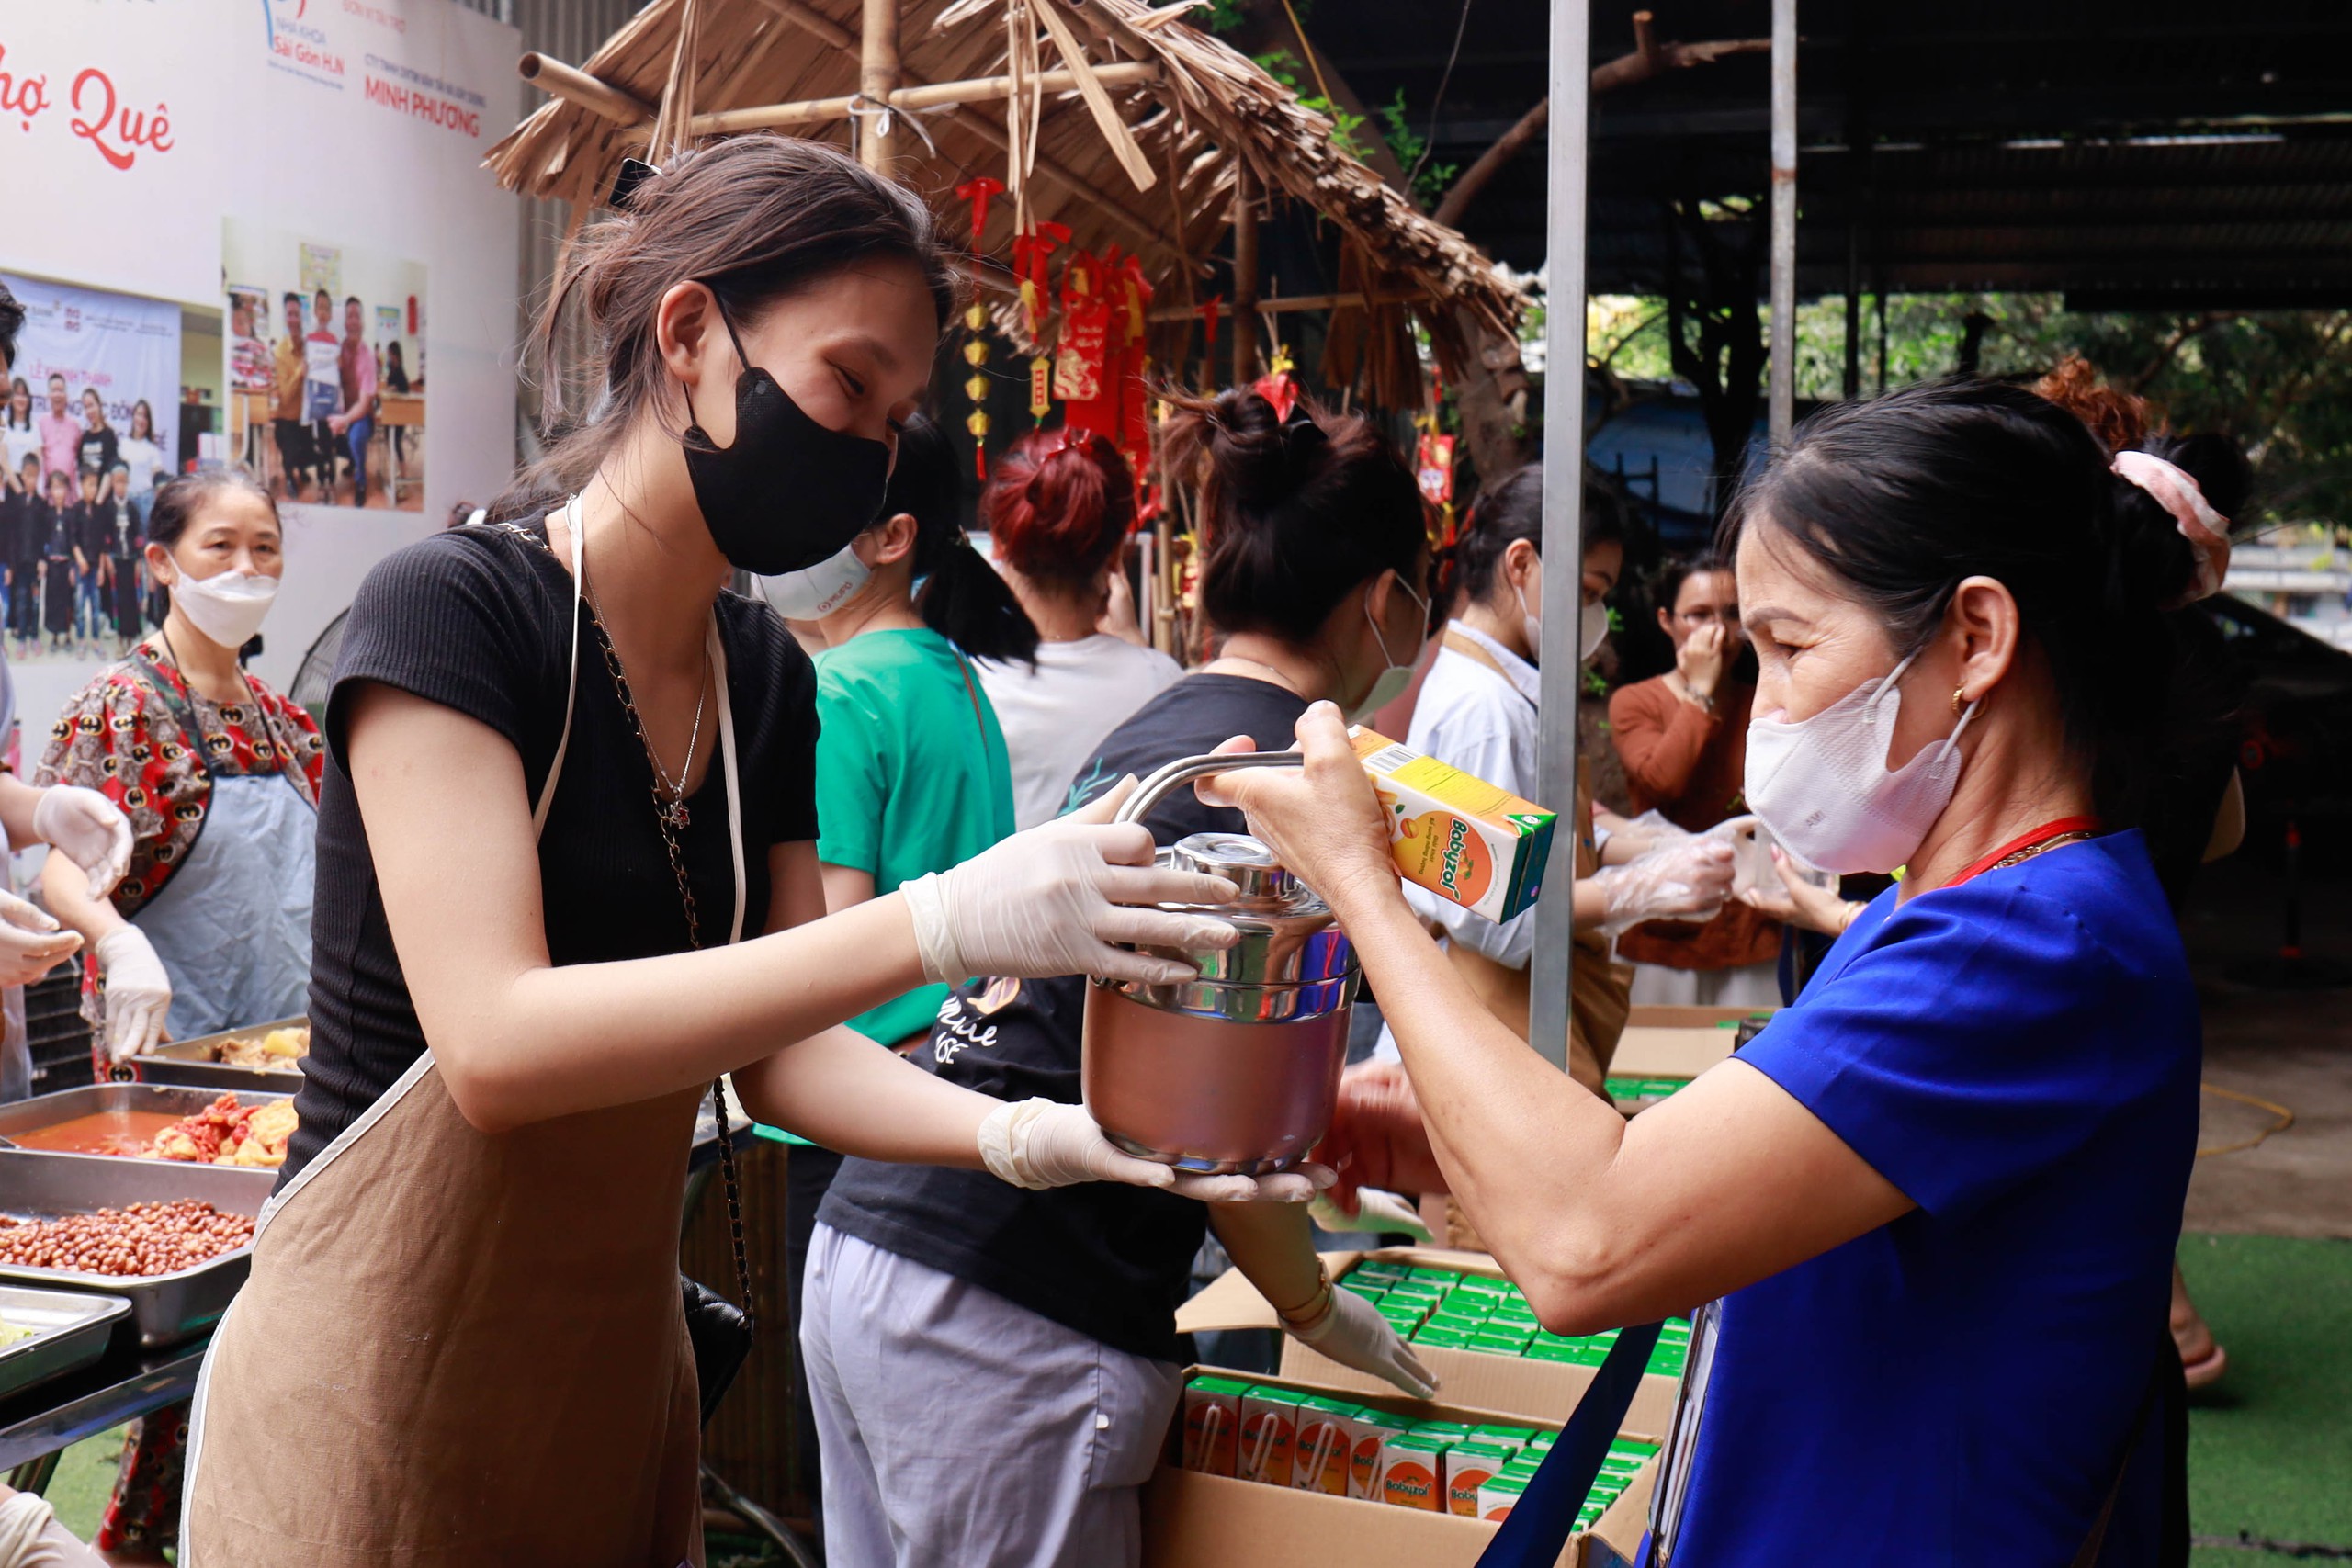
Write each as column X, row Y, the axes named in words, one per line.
column 326, row 368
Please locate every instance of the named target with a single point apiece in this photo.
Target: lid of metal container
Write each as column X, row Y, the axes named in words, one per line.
column 1241, row 859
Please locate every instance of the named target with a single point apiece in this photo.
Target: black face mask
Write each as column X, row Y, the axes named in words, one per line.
column 789, row 492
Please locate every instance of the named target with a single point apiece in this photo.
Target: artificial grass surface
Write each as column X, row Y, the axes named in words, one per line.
column 2270, row 1445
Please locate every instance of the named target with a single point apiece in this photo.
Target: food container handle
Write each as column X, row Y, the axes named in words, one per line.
column 1185, row 769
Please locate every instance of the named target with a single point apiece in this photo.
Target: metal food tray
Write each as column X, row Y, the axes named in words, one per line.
column 93, row 1100
column 70, row 1331
column 186, row 1062
column 167, row 1308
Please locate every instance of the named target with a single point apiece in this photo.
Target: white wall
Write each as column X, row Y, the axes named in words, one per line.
column 358, row 122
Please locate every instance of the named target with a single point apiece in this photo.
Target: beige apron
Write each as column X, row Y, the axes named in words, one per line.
column 460, row 1348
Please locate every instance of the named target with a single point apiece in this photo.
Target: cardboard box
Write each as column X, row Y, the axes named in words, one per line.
column 1543, row 1390
column 1192, row 1520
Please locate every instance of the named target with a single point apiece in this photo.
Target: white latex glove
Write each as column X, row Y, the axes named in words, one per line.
column 30, row 1536
column 31, row 944
column 1054, row 899
column 138, row 993
column 1384, row 1212
column 1685, row 880
column 1351, row 1332
column 1038, row 1143
column 88, row 829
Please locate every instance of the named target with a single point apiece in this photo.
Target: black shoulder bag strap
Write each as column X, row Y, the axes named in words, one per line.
column 1538, row 1529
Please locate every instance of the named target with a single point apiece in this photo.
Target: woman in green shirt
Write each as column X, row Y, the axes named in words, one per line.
column 911, row 773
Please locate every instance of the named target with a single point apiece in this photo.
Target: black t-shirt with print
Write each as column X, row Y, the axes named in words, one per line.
column 480, row 620
column 1107, row 1260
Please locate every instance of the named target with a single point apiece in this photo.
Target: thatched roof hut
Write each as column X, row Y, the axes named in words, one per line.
column 1145, row 131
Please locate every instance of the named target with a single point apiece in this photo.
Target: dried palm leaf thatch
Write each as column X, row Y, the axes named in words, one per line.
column 1161, row 189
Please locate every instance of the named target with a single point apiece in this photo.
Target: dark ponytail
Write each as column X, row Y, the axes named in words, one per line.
column 1299, row 510
column 1902, row 496
column 963, row 598
column 1510, row 510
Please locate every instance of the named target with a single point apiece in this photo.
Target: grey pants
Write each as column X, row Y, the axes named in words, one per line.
column 962, row 1431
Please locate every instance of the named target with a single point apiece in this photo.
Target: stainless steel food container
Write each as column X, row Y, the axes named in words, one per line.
column 1237, row 1069
column 91, row 1099
column 190, row 1062
column 70, row 1331
column 167, row 1308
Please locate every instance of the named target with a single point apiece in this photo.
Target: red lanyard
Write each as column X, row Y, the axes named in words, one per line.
column 2041, row 835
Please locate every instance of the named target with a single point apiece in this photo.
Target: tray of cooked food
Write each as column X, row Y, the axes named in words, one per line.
column 145, row 1121
column 47, row 1334
column 176, row 1240
column 265, row 1057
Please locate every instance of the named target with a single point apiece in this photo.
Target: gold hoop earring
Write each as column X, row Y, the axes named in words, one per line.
column 1958, row 699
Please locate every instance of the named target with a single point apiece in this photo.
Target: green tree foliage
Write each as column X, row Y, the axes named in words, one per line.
column 1284, row 67
column 2278, row 382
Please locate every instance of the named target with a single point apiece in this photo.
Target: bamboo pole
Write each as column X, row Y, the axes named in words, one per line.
column 575, row 86
column 1245, row 276
column 1289, row 303
column 826, row 30
column 936, row 94
column 878, row 78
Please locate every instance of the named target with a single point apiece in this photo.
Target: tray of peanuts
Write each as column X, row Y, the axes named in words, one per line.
column 176, row 1240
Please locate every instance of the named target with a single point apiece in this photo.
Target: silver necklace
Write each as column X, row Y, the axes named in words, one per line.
column 673, row 808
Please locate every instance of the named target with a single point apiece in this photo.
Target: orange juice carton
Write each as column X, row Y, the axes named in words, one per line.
column 1370, row 1430
column 1212, row 1424
column 1469, row 1466
column 1460, row 837
column 1412, row 1472
column 1499, row 1496
column 1323, row 1445
column 1269, row 1429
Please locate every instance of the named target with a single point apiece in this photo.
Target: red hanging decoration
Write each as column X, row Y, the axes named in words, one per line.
column 976, row 191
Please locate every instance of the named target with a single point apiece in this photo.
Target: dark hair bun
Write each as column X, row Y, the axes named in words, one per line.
column 1299, row 510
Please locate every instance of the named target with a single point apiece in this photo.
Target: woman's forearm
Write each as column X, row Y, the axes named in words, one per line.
column 17, row 799
column 840, row 1089
column 65, row 888
column 552, row 1041
column 1272, row 1247
column 1525, row 1149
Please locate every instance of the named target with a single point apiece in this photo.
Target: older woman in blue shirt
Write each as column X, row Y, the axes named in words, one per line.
column 1935, row 1201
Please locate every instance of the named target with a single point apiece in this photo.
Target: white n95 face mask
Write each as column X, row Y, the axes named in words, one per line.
column 814, row 593
column 1823, row 787
column 228, row 606
column 1394, row 677
column 1593, row 621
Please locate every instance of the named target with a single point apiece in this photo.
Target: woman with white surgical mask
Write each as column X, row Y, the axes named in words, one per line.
column 210, row 929
column 1477, row 711
column 1934, row 1203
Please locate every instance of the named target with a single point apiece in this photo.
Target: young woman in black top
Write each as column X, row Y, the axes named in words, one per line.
column 1053, row 1314
column 561, row 758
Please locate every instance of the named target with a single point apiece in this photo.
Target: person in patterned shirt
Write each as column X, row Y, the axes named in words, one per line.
column 219, row 775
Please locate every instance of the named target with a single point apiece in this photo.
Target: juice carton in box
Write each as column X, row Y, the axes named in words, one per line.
column 1460, row 837
column 1323, row 1445
column 1497, row 1497
column 1370, row 1430
column 1212, row 1424
column 1412, row 1471
column 1469, row 1466
column 1268, row 1428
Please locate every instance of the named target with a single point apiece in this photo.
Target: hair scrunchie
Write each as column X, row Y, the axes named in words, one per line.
column 2207, row 531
